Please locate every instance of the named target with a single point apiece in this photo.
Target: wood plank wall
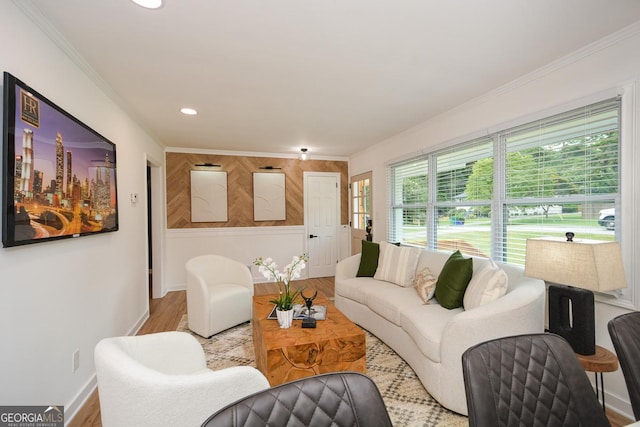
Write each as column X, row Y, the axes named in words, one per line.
column 240, row 187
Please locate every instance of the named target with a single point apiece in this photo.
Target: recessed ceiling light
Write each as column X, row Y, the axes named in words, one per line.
column 149, row 4
column 188, row 111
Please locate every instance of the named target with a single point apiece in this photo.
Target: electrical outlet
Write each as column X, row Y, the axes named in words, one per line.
column 75, row 361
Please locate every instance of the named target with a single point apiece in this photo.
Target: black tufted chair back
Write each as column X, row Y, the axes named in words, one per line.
column 336, row 399
column 528, row 380
column 625, row 335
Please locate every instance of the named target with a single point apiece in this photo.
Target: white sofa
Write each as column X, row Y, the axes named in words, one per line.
column 430, row 338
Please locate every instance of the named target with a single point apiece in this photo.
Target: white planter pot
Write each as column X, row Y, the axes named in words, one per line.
column 285, row 318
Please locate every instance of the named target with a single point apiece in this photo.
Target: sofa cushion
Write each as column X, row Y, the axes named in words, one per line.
column 432, row 260
column 425, row 284
column 357, row 288
column 397, row 264
column 425, row 325
column 487, row 284
column 392, row 301
column 453, row 280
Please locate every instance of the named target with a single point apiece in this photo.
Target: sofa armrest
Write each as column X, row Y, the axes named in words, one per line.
column 176, row 400
column 520, row 311
column 198, row 301
column 348, row 267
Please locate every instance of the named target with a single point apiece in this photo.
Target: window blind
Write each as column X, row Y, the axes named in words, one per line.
column 490, row 194
column 409, row 184
column 563, row 168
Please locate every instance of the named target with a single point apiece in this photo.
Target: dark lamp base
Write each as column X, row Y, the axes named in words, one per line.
column 571, row 315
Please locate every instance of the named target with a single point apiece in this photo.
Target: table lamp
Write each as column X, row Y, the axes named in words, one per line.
column 575, row 269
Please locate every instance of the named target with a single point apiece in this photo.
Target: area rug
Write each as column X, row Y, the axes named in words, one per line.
column 408, row 403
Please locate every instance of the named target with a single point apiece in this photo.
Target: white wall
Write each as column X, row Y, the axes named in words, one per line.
column 61, row 296
column 598, row 70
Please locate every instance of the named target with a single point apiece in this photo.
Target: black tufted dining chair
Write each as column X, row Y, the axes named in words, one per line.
column 625, row 335
column 338, row 399
column 528, row 380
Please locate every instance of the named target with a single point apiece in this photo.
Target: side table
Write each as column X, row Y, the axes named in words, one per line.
column 602, row 361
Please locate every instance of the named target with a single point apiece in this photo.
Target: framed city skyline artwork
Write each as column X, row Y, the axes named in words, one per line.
column 59, row 175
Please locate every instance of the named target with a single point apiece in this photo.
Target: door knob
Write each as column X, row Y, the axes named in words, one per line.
column 311, row 236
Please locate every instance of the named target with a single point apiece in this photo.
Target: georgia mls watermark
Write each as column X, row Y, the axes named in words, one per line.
column 31, row 416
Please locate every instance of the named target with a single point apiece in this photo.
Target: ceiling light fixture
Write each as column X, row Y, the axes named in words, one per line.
column 304, row 155
column 149, row 4
column 188, row 111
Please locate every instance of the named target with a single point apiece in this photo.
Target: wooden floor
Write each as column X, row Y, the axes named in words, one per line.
column 165, row 314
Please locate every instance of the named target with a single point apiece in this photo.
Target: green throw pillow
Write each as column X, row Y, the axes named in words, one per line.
column 453, row 280
column 368, row 259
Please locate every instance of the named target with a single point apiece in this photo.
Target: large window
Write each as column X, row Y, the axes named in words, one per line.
column 462, row 210
column 487, row 196
column 410, row 193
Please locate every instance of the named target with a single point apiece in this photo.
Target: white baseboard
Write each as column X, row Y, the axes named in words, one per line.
column 617, row 404
column 177, row 287
column 136, row 328
column 71, row 410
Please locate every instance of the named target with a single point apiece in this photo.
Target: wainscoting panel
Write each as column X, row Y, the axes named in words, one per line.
column 244, row 244
column 240, row 187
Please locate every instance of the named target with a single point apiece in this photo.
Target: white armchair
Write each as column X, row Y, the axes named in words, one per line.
column 219, row 294
column 162, row 380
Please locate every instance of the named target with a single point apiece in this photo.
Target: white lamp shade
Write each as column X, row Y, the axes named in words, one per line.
column 587, row 264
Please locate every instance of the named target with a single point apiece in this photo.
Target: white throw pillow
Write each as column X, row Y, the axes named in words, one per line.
column 486, row 285
column 397, row 264
column 425, row 284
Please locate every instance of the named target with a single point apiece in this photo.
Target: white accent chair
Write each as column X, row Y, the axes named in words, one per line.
column 162, row 379
column 219, row 294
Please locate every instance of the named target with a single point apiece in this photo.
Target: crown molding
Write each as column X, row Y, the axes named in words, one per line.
column 252, row 154
column 35, row 14
column 584, row 52
column 31, row 11
column 575, row 56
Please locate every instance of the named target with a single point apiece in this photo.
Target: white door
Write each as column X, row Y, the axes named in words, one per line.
column 322, row 214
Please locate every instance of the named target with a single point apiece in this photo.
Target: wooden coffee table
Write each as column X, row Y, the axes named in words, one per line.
column 283, row 355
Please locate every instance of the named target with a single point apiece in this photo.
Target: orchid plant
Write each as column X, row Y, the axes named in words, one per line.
column 269, row 269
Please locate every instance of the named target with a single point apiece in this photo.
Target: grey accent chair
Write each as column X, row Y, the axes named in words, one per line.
column 625, row 335
column 528, row 380
column 337, row 399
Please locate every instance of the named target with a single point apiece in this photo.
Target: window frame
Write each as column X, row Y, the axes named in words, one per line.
column 625, row 198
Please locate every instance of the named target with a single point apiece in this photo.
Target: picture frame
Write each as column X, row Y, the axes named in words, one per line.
column 208, row 196
column 269, row 202
column 58, row 175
